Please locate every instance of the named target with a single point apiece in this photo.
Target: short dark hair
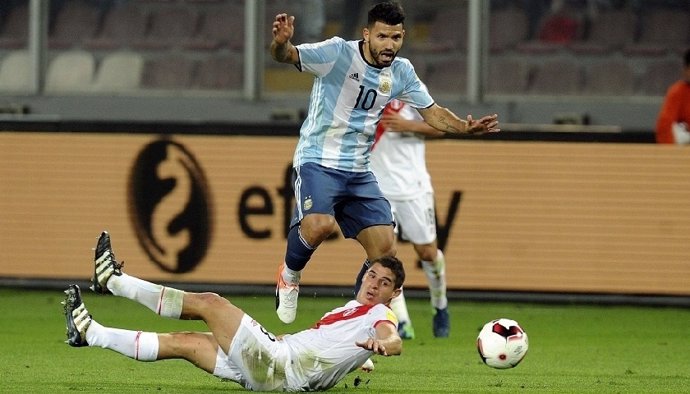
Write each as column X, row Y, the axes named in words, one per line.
column 686, row 58
column 395, row 265
column 389, row 12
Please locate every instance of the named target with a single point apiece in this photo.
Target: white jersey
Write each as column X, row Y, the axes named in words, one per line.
column 324, row 354
column 310, row 360
column 398, row 159
column 347, row 100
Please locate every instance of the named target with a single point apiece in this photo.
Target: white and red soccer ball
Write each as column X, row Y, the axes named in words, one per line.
column 502, row 343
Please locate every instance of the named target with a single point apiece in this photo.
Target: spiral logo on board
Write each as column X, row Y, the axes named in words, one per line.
column 170, row 206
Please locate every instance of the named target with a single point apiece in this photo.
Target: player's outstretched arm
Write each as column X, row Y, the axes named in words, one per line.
column 445, row 120
column 397, row 123
column 282, row 49
column 386, row 343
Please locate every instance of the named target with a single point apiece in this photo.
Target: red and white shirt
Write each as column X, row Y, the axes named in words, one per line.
column 325, row 353
column 398, row 158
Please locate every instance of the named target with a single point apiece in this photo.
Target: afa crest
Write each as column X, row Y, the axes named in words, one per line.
column 385, row 82
column 385, row 86
column 307, row 203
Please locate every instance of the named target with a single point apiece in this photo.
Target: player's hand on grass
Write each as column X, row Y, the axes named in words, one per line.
column 283, row 28
column 374, row 345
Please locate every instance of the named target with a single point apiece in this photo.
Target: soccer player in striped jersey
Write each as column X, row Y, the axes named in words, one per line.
column 354, row 80
column 237, row 347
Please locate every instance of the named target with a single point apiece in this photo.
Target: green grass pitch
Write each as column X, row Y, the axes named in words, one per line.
column 573, row 349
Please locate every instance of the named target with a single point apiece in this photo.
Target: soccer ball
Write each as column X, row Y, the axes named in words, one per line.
column 502, row 343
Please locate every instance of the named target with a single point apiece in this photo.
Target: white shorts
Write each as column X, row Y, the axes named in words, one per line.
column 256, row 360
column 415, row 219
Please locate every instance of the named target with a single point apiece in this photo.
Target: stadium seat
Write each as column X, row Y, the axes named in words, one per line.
column 220, row 73
column 122, row 25
column 215, row 32
column 169, row 26
column 562, row 29
column 658, row 77
column 168, row 72
column 119, row 72
column 556, row 31
column 76, row 22
column 447, row 76
column 508, row 75
column 15, row 72
column 610, row 30
column 444, row 34
column 556, row 77
column 609, row 77
column 507, row 27
column 70, row 71
column 662, row 30
column 15, row 29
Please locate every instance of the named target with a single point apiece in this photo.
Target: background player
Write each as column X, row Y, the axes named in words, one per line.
column 398, row 161
column 672, row 125
column 354, row 80
column 237, row 347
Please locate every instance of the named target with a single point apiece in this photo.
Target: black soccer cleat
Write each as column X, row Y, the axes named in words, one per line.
column 105, row 264
column 77, row 318
column 441, row 323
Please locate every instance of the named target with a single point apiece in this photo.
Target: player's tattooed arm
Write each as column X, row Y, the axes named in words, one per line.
column 282, row 49
column 445, row 120
column 394, row 122
column 284, row 53
column 449, row 127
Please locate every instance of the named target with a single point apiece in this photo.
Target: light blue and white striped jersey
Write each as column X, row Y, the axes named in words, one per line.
column 347, row 100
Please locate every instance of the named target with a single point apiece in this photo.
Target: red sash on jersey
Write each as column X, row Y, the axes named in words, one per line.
column 392, row 107
column 347, row 314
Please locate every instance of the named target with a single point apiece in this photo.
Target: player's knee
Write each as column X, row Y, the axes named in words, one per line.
column 316, row 229
column 387, row 245
column 427, row 254
column 192, row 346
column 386, row 249
column 182, row 341
column 211, row 300
column 390, row 250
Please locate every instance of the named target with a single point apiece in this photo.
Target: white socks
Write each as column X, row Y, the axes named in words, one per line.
column 399, row 307
column 291, row 277
column 139, row 345
column 165, row 301
column 142, row 346
column 435, row 272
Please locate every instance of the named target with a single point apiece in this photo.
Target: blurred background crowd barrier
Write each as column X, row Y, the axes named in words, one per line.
column 601, row 62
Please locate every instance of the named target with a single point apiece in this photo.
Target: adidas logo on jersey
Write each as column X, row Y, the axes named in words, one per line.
column 354, row 76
